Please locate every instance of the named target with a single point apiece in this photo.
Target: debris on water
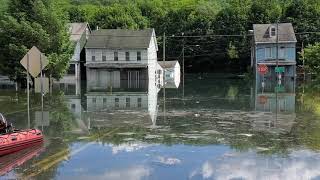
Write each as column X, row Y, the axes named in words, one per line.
column 211, row 132
column 83, row 137
column 225, row 122
column 129, row 139
column 126, row 133
column 247, row 135
column 262, row 149
column 196, row 115
column 197, row 102
column 151, row 136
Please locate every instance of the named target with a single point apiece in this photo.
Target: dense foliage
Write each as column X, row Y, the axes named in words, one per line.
column 312, row 57
column 204, row 20
column 28, row 23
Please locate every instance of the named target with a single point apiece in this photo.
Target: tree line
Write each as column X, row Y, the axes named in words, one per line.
column 43, row 23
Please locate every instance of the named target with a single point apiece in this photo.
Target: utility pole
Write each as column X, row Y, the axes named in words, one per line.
column 303, row 60
column 163, row 76
column 183, row 77
column 277, row 52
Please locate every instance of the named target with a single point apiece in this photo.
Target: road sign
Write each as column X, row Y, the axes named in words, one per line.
column 262, row 69
column 45, row 85
column 37, row 61
column 263, row 99
column 279, row 69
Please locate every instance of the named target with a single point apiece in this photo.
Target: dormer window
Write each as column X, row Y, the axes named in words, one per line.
column 272, row 31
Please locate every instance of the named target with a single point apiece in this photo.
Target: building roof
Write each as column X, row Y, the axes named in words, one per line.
column 285, row 33
column 167, row 64
column 120, row 39
column 76, row 30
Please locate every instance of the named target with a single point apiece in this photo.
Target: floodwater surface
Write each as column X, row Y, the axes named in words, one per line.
column 206, row 129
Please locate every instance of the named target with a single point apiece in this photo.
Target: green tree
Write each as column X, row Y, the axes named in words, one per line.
column 304, row 14
column 39, row 23
column 120, row 16
column 312, row 58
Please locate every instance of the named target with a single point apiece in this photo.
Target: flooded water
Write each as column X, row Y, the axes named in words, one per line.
column 208, row 128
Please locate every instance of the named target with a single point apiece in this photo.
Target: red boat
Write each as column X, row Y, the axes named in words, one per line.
column 18, row 140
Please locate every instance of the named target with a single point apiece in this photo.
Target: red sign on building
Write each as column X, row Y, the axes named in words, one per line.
column 262, row 69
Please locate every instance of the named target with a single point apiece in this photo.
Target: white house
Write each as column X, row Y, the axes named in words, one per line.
column 171, row 73
column 120, row 54
column 79, row 33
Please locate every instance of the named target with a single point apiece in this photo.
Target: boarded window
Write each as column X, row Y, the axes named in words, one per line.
column 139, row 102
column 138, row 56
column 115, row 56
column 104, row 57
column 127, row 102
column 127, row 56
column 116, row 102
column 104, row 101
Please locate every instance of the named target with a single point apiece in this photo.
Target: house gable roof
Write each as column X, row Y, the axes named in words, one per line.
column 167, row 64
column 76, row 30
column 120, row 39
column 285, row 33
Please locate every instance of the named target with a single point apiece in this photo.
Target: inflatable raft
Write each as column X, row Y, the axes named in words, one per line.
column 18, row 140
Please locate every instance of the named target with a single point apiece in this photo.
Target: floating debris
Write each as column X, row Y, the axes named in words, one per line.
column 196, row 115
column 247, row 135
column 126, row 133
column 83, row 137
column 211, row 132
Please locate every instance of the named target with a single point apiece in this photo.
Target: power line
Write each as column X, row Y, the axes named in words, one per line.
column 199, row 36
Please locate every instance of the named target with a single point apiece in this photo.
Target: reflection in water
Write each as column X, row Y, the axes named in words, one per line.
column 277, row 100
column 219, row 130
column 128, row 99
column 9, row 162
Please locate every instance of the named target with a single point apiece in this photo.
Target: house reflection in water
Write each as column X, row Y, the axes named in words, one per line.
column 276, row 102
column 128, row 101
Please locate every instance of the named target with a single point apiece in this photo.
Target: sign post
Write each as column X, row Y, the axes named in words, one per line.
column 28, row 93
column 34, row 62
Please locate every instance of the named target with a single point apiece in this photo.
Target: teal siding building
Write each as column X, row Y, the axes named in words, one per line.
column 274, row 44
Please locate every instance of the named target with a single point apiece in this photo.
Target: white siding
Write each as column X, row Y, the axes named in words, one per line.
column 98, row 102
column 121, row 56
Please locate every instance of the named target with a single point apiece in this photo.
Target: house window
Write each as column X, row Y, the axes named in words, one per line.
column 104, row 57
column 282, row 52
column 139, row 102
column 116, row 102
column 127, row 56
column 268, row 52
column 127, row 102
column 94, row 100
column 273, row 31
column 93, row 58
column 73, row 107
column 72, row 69
column 115, row 56
column 138, row 56
column 104, row 101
